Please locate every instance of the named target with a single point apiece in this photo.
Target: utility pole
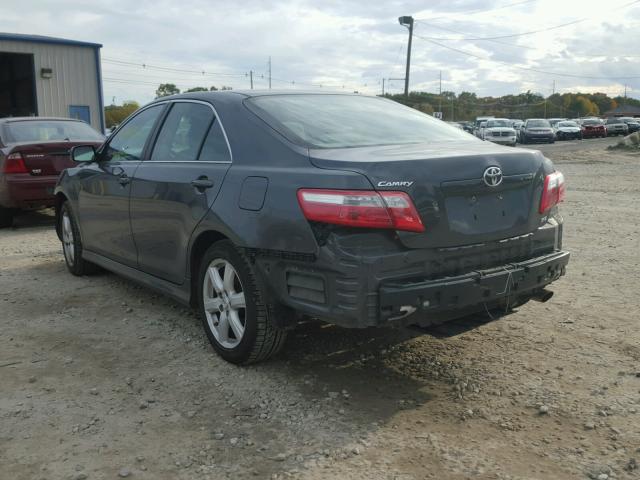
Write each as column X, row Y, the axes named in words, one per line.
column 553, row 90
column 251, row 78
column 452, row 119
column 269, row 72
column 383, row 86
column 440, row 95
column 625, row 95
column 407, row 21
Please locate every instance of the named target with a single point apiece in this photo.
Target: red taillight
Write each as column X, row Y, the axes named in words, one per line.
column 361, row 208
column 15, row 164
column 552, row 192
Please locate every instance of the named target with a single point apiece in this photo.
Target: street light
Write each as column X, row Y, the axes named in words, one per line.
column 407, row 21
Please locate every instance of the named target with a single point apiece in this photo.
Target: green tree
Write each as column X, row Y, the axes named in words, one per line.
column 196, row 89
column 166, row 89
column 115, row 114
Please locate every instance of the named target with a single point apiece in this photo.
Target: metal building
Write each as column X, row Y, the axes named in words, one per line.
column 53, row 77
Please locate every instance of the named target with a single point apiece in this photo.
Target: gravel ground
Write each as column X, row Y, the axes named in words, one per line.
column 102, row 379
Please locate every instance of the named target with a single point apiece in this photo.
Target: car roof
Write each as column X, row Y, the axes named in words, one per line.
column 250, row 93
column 34, row 119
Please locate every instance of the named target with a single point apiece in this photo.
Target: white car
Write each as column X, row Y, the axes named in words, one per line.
column 567, row 129
column 500, row 130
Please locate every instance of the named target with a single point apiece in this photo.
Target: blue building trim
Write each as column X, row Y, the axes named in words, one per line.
column 100, row 92
column 21, row 37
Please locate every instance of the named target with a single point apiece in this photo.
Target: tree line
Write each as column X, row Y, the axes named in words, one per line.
column 468, row 106
column 115, row 114
column 454, row 107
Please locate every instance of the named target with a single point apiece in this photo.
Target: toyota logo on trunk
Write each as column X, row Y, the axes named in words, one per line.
column 492, row 176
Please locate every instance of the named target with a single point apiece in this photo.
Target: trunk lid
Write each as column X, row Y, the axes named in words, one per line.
column 446, row 184
column 46, row 158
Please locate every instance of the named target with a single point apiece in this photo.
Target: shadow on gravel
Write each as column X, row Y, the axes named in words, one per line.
column 348, row 365
column 38, row 218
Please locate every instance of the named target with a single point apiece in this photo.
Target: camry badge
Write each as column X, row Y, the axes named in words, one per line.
column 394, row 184
column 492, row 176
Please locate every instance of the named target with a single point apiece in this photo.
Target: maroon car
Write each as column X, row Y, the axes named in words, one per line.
column 33, row 151
column 593, row 128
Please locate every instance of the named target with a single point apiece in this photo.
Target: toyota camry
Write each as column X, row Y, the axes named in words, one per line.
column 261, row 208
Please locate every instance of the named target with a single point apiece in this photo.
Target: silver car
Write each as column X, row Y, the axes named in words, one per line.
column 616, row 126
column 500, row 130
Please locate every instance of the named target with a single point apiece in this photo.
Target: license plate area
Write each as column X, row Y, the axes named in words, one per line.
column 487, row 212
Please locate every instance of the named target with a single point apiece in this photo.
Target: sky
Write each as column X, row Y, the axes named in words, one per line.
column 476, row 45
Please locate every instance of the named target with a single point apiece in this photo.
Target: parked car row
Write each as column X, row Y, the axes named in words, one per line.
column 511, row 131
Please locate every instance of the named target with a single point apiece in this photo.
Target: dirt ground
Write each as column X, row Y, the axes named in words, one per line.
column 102, row 379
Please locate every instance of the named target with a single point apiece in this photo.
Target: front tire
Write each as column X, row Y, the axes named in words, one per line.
column 72, row 244
column 234, row 307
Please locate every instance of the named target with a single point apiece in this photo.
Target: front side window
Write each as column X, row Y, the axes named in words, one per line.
column 128, row 142
column 183, row 132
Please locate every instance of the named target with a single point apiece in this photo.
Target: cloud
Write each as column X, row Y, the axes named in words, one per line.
column 348, row 45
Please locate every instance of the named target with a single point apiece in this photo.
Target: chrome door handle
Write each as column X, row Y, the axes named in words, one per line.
column 202, row 183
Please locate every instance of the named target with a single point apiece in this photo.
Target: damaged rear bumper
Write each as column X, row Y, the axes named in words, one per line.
column 514, row 282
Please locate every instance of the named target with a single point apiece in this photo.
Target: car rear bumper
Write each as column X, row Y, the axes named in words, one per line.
column 517, row 281
column 28, row 191
column 379, row 286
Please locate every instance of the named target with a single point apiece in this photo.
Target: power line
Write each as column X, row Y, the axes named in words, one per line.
column 493, row 41
column 171, row 69
column 530, row 69
column 514, row 35
column 481, row 10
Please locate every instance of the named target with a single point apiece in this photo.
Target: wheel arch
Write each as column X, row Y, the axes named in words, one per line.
column 200, row 245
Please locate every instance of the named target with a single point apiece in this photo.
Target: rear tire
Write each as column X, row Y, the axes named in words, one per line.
column 234, row 307
column 72, row 244
column 6, row 217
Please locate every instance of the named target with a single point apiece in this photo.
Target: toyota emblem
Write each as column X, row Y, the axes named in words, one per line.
column 492, row 176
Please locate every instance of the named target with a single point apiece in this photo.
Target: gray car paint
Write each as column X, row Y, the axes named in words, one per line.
column 170, row 227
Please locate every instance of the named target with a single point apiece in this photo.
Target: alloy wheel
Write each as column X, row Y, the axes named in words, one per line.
column 68, row 244
column 224, row 303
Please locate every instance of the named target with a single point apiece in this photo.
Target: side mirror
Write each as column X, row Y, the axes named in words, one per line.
column 83, row 153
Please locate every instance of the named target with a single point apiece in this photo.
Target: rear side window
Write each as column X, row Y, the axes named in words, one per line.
column 128, row 142
column 183, row 132
column 215, row 147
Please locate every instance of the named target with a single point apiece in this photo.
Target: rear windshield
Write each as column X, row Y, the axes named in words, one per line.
column 614, row 120
column 49, row 130
column 567, row 124
column 342, row 121
column 591, row 122
column 538, row 124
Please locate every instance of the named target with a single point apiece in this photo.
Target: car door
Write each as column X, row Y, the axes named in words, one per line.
column 105, row 187
column 173, row 190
